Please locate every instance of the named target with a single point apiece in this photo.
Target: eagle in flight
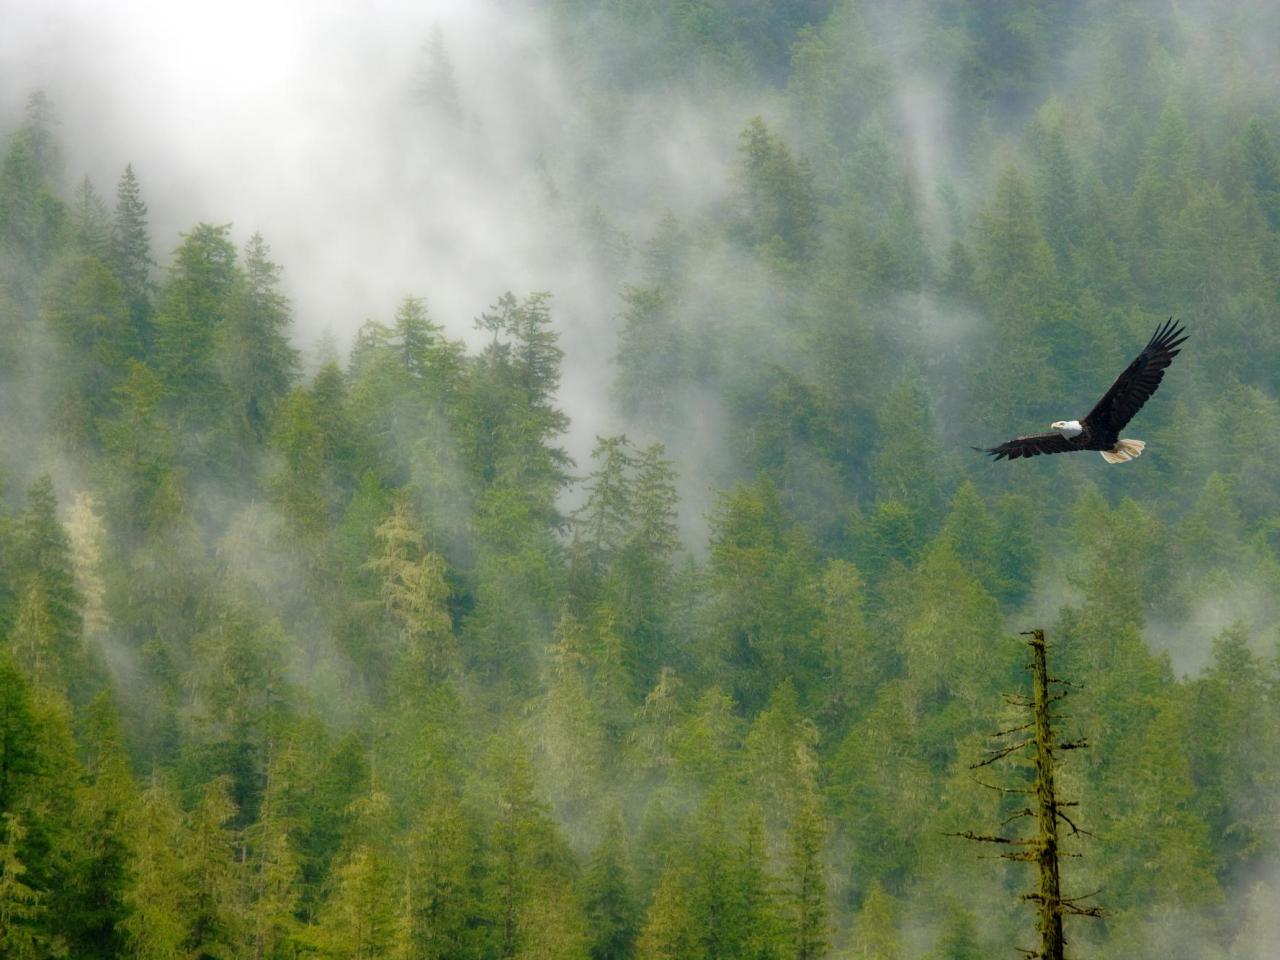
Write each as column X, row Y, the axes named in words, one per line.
column 1100, row 429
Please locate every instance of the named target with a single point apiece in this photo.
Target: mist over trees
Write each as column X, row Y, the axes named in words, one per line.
column 340, row 652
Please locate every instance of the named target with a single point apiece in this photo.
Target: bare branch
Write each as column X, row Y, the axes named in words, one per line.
column 970, row 835
column 1076, row 831
column 995, row 755
column 991, row 786
column 1025, row 812
column 1083, row 896
column 1071, row 908
column 1023, row 726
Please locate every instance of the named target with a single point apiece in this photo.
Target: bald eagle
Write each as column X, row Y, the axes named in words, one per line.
column 1100, row 430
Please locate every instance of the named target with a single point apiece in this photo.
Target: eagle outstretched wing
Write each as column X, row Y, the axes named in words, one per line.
column 1031, row 446
column 1138, row 382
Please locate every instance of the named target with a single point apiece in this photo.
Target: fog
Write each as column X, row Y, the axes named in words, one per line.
column 315, row 123
column 458, row 150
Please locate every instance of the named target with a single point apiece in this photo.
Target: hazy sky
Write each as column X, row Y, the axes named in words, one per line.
column 292, row 118
column 298, row 119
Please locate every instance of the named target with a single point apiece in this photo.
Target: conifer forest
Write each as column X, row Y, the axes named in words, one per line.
column 494, row 480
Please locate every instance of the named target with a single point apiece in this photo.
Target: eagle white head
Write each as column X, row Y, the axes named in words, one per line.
column 1068, row 428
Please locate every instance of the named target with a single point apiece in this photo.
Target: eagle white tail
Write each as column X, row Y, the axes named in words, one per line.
column 1124, row 451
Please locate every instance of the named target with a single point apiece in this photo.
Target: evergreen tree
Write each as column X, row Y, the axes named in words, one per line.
column 19, row 756
column 807, row 911
column 356, row 923
column 959, row 937
column 608, row 901
column 414, row 593
column 130, row 253
column 86, row 309
column 875, row 935
column 852, row 664
column 779, row 210
column 104, row 852
column 90, row 222
column 906, row 463
column 157, row 924
column 643, row 580
column 1058, row 193
column 519, row 821
column 1262, row 170
column 421, row 345
column 31, row 222
column 303, row 484
column 652, row 356
column 196, row 301
column 971, row 530
column 1231, row 748
column 258, row 362
column 21, row 906
column 142, row 477
column 211, row 877
column 604, row 520
column 35, row 643
column 669, row 932
column 766, row 607
column 436, row 88
column 51, row 606
column 444, row 910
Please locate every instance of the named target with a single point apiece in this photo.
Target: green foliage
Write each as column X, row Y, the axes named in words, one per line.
column 157, row 925
column 779, row 210
column 609, row 903
column 130, row 252
column 765, row 607
column 20, row 905
column 194, row 307
column 258, row 363
column 357, row 664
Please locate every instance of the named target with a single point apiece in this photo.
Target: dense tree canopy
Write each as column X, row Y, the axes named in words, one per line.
column 352, row 660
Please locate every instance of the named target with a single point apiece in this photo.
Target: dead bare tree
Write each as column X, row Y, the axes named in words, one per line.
column 1036, row 737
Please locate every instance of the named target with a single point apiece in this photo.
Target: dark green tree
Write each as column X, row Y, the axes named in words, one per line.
column 257, row 361
column 779, row 210
column 130, row 255
column 609, row 902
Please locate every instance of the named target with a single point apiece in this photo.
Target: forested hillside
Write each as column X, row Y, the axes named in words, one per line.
column 335, row 651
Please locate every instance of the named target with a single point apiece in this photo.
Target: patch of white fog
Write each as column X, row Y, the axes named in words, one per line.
column 1189, row 641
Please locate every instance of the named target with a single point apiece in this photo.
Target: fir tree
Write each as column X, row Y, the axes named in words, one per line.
column 130, row 253
column 21, row 906
column 807, row 911
column 436, row 87
column 259, row 363
column 669, row 932
column 609, row 903
column 777, row 195
column 91, row 222
column 45, row 566
column 157, row 925
column 196, row 301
